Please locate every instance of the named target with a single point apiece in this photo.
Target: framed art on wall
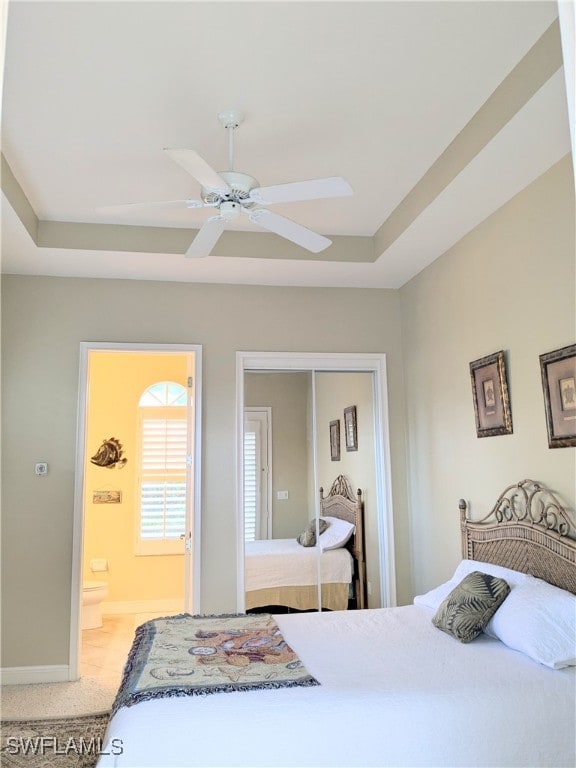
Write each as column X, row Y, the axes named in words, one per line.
column 558, row 369
column 106, row 497
column 490, row 393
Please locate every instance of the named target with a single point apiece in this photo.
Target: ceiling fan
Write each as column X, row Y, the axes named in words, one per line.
column 232, row 193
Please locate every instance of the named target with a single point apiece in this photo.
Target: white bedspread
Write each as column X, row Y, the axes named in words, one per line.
column 285, row 563
column 395, row 691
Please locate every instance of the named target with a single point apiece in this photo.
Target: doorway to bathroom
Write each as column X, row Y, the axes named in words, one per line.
column 137, row 496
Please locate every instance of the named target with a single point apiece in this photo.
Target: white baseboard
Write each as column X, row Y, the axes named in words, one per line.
column 175, row 605
column 55, row 673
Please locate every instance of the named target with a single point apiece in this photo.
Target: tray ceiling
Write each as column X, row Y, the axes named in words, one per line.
column 436, row 113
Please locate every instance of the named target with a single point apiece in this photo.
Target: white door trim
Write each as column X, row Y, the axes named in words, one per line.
column 78, row 526
column 327, row 361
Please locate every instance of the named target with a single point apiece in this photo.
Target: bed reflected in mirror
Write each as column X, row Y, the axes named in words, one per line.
column 283, row 412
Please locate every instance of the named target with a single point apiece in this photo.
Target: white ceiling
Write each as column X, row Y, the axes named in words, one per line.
column 373, row 91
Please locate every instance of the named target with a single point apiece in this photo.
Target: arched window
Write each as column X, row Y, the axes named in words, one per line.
column 163, row 432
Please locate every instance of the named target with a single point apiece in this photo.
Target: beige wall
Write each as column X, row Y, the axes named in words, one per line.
column 287, row 396
column 116, row 382
column 45, row 319
column 508, row 285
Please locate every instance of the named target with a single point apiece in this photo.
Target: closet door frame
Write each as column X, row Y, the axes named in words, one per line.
column 334, row 362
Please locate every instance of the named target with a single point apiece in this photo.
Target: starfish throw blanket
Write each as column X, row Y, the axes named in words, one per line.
column 188, row 655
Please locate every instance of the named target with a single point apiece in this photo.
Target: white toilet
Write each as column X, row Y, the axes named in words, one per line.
column 93, row 592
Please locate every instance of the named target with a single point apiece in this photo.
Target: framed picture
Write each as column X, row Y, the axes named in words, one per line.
column 350, row 429
column 335, row 440
column 490, row 393
column 558, row 370
column 107, row 497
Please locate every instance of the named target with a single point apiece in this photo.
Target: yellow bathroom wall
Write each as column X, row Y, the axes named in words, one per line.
column 115, row 383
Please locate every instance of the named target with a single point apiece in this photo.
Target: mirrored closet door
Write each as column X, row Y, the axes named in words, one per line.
column 302, row 430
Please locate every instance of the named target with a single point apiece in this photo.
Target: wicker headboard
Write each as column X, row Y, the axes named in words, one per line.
column 343, row 503
column 529, row 530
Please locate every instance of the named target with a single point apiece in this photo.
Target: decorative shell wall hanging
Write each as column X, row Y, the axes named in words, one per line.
column 110, row 454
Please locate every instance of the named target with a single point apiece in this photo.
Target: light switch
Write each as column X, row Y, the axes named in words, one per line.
column 98, row 564
column 281, row 495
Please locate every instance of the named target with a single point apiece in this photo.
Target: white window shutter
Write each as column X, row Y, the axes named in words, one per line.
column 251, row 481
column 163, row 478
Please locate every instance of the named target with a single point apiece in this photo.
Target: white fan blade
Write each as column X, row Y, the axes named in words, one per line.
column 196, row 166
column 298, row 234
column 206, row 238
column 315, row 189
column 144, row 206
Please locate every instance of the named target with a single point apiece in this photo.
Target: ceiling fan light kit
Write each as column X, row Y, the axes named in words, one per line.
column 233, row 193
column 230, row 210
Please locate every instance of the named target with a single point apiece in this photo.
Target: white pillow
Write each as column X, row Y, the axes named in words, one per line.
column 437, row 595
column 540, row 621
column 512, row 577
column 337, row 533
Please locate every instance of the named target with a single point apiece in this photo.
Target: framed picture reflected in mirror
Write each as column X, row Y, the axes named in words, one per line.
column 350, row 428
column 335, row 440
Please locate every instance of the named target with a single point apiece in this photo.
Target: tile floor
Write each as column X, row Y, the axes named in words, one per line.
column 104, row 650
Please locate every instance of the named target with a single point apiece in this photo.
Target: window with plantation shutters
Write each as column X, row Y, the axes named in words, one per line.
column 163, row 469
column 251, row 479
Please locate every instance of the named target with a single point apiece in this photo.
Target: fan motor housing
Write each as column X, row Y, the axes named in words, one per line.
column 240, row 185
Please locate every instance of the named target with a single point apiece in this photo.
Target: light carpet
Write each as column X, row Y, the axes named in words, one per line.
column 87, row 696
column 73, row 742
